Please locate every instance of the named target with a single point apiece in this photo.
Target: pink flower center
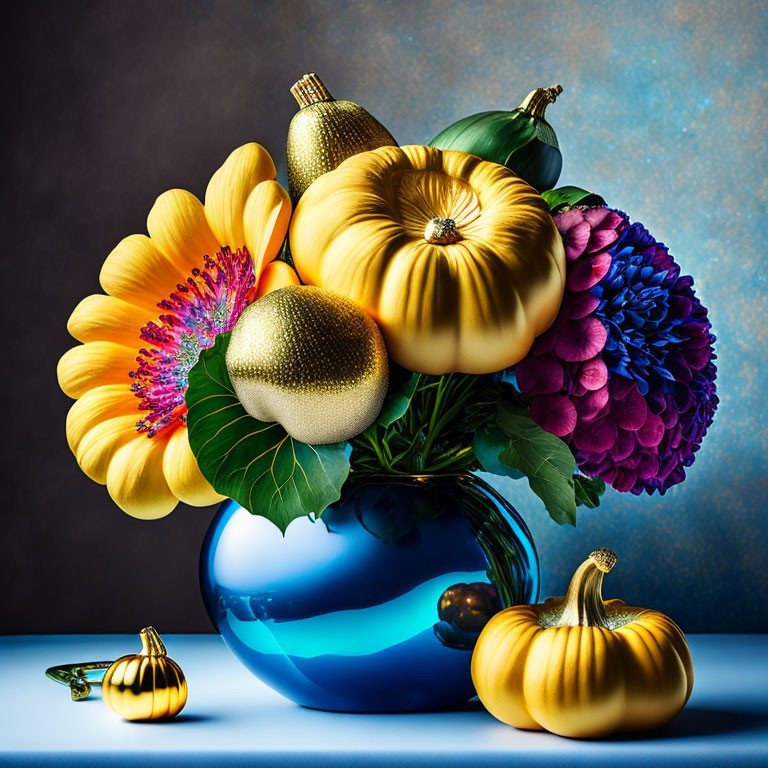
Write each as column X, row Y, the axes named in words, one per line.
column 209, row 303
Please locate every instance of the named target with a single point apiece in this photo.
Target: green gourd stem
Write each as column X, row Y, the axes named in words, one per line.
column 151, row 644
column 536, row 102
column 583, row 604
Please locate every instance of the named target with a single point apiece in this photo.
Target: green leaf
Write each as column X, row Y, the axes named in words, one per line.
column 544, row 459
column 588, row 490
column 402, row 386
column 489, row 444
column 564, row 196
column 256, row 463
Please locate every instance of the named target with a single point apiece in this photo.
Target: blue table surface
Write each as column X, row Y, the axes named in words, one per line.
column 231, row 718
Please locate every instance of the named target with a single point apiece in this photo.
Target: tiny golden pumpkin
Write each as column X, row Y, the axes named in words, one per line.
column 457, row 259
column 148, row 685
column 581, row 667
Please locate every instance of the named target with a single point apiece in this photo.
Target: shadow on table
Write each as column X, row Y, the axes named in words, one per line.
column 696, row 721
column 471, row 706
column 691, row 722
column 181, row 719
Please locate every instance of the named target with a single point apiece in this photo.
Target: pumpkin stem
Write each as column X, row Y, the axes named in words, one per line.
column 310, row 89
column 536, row 102
column 441, row 231
column 583, row 605
column 151, row 644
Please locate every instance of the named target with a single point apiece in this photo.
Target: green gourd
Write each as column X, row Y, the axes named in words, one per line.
column 567, row 197
column 522, row 139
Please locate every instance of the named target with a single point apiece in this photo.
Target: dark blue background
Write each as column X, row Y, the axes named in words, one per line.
column 111, row 103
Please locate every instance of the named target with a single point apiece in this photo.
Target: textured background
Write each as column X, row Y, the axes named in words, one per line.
column 111, row 103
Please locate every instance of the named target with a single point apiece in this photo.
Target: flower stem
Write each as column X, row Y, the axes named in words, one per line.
column 435, row 433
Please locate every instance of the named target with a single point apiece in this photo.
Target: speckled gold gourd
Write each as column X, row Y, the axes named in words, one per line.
column 326, row 131
column 311, row 360
column 145, row 686
column 581, row 667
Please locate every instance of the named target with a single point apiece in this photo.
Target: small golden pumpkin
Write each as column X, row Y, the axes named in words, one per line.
column 145, row 686
column 457, row 259
column 581, row 667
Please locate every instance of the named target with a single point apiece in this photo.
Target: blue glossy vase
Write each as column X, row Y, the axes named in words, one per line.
column 376, row 606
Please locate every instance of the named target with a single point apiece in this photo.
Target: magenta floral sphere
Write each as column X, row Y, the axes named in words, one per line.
column 625, row 375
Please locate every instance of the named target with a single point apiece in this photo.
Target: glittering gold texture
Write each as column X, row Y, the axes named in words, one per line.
column 324, row 132
column 312, row 361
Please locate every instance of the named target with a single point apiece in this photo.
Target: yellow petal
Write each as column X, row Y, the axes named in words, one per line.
column 265, row 222
column 96, row 406
column 105, row 318
column 229, row 188
column 178, row 227
column 183, row 475
column 277, row 274
column 135, row 479
column 99, row 444
column 93, row 365
column 137, row 272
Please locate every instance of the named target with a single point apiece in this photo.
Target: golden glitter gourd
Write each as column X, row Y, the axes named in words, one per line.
column 145, row 686
column 312, row 361
column 326, row 131
column 581, row 667
column 457, row 259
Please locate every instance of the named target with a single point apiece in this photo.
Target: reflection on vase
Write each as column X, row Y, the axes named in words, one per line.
column 377, row 605
column 463, row 610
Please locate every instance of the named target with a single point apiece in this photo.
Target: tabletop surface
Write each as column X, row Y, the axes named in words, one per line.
column 231, row 718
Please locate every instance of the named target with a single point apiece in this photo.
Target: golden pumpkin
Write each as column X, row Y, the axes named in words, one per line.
column 145, row 686
column 581, row 667
column 457, row 259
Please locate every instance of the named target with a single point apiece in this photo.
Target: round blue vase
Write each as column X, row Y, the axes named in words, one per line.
column 376, row 606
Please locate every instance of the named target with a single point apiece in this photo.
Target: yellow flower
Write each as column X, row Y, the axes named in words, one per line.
column 168, row 295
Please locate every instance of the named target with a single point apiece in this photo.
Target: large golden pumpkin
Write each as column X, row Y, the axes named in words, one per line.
column 580, row 666
column 458, row 260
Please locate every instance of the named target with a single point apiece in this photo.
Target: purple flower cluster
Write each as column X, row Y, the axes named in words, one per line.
column 625, row 374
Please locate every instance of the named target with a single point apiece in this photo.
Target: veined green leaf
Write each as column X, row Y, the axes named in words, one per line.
column 256, row 463
column 544, row 459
